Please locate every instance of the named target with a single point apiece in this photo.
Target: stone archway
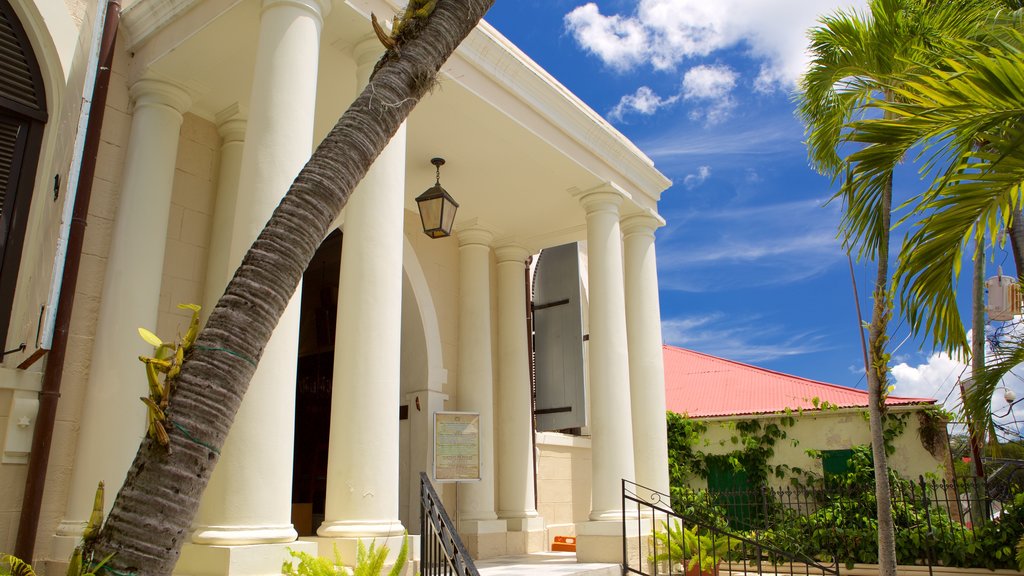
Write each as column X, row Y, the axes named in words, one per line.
column 421, row 372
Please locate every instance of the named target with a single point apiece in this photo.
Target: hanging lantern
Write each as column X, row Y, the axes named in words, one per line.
column 437, row 207
column 1004, row 297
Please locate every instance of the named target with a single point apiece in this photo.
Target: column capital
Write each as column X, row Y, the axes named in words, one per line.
column 232, row 130
column 641, row 224
column 231, row 123
column 470, row 236
column 319, row 8
column 601, row 199
column 511, row 253
column 367, row 50
column 153, row 92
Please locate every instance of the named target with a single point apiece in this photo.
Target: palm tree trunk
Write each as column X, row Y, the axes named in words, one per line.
column 154, row 509
column 1017, row 239
column 877, row 385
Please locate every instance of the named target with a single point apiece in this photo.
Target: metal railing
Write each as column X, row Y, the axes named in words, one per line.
column 936, row 523
column 672, row 544
column 441, row 550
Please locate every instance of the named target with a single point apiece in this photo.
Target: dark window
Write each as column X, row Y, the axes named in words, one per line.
column 22, row 115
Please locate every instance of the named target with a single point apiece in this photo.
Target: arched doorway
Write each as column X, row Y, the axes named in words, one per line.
column 314, row 382
column 22, row 116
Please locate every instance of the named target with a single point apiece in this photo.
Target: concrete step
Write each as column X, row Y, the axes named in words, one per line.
column 545, row 564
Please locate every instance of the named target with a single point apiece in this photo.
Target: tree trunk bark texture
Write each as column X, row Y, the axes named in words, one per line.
column 154, row 509
column 1017, row 241
column 877, row 384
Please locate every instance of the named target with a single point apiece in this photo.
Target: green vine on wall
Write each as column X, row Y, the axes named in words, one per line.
column 755, row 448
column 755, row 441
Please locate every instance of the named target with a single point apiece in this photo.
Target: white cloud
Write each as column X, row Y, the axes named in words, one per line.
column 662, row 33
column 939, row 378
column 619, row 42
column 711, row 84
column 643, row 101
column 777, row 244
column 750, row 340
column 708, row 82
column 692, row 180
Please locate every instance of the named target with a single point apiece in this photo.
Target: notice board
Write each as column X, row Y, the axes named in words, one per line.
column 456, row 446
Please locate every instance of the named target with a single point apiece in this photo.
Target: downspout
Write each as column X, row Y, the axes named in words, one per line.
column 28, row 526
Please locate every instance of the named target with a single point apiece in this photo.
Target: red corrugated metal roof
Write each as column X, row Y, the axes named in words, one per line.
column 702, row 386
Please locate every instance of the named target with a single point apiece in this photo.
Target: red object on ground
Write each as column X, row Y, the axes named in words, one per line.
column 564, row 544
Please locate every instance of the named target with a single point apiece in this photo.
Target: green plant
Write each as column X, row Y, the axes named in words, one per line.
column 13, row 566
column 701, row 551
column 1020, row 554
column 369, row 562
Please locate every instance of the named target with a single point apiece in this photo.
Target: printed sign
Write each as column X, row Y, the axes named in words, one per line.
column 456, row 446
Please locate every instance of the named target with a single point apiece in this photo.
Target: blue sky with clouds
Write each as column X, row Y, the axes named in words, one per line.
column 750, row 268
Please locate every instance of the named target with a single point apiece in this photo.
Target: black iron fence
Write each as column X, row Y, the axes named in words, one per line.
column 660, row 541
column 441, row 550
column 955, row 523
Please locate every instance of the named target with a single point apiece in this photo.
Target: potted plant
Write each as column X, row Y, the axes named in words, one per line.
column 700, row 553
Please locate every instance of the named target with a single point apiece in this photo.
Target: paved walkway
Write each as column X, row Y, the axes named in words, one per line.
column 545, row 564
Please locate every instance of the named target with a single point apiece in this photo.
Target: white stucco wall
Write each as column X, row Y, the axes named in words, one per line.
column 563, row 482
column 831, row 430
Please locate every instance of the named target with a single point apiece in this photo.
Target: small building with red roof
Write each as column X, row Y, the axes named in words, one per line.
column 821, row 422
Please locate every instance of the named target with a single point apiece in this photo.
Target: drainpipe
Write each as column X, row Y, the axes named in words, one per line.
column 28, row 526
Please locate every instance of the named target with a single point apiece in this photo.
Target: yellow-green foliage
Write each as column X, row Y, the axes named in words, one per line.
column 14, row 566
column 369, row 562
column 1020, row 555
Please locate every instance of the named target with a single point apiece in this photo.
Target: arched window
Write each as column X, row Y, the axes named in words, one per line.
column 22, row 115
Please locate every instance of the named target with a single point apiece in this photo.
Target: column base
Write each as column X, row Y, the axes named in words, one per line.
column 526, row 535
column 64, row 543
column 346, row 549
column 251, row 560
column 602, row 541
column 244, row 535
column 366, row 530
column 484, row 538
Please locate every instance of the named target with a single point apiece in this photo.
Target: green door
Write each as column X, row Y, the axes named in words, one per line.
column 732, row 491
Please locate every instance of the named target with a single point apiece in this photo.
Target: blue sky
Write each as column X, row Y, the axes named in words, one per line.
column 749, row 265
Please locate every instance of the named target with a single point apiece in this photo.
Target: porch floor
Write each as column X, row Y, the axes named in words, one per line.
column 545, row 564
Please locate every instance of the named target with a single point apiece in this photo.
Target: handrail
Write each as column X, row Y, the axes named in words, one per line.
column 676, row 549
column 441, row 549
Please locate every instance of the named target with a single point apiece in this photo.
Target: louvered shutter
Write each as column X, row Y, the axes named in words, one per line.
column 21, row 87
column 9, row 130
column 558, row 339
column 22, row 115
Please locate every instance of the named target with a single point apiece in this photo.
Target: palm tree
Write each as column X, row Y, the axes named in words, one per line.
column 153, row 511
column 975, row 96
column 855, row 58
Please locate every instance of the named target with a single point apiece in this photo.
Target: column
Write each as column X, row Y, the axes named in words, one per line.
column 515, row 454
column 248, row 501
column 219, row 264
column 483, row 533
column 362, row 467
column 611, row 431
column 113, row 420
column 646, row 363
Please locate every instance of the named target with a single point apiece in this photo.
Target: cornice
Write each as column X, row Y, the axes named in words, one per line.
column 501, row 61
column 143, row 18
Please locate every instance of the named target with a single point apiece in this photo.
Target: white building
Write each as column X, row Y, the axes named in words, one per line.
column 213, row 107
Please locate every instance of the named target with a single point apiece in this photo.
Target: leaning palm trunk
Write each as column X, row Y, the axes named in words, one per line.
column 876, row 378
column 154, row 509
